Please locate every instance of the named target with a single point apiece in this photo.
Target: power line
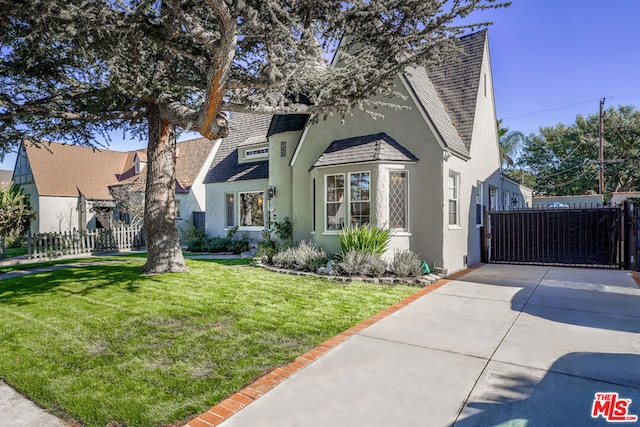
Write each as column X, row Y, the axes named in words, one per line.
column 565, row 107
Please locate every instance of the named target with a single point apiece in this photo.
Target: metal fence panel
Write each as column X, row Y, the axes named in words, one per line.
column 589, row 237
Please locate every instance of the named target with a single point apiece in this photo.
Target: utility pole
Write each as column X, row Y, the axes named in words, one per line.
column 601, row 138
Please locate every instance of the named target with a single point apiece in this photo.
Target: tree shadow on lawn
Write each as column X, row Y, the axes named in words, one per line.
column 72, row 281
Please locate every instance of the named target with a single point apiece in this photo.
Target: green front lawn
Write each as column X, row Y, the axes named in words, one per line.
column 105, row 343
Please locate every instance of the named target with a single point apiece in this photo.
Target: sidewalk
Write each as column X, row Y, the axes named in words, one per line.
column 17, row 410
column 502, row 345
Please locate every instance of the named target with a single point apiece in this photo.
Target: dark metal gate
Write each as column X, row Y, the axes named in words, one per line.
column 558, row 236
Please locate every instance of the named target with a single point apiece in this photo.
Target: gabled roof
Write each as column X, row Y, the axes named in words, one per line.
column 190, row 158
column 70, row 170
column 457, row 83
column 225, row 166
column 366, row 148
column 448, row 92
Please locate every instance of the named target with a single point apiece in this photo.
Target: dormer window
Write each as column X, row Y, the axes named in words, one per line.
column 138, row 165
column 253, row 149
column 257, row 153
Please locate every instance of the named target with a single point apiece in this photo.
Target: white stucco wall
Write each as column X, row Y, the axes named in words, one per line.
column 464, row 241
column 57, row 213
column 188, row 204
column 280, row 173
column 215, row 206
column 425, row 190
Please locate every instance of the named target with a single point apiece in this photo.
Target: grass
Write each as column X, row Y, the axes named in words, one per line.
column 12, row 252
column 104, row 343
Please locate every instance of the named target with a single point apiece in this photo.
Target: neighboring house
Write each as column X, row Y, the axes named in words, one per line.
column 618, row 199
column 5, row 177
column 426, row 171
column 70, row 186
column 587, row 200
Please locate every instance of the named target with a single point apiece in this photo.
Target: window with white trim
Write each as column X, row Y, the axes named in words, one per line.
column 454, row 198
column 505, row 200
column 398, row 200
column 347, row 198
column 359, row 198
column 479, row 195
column 260, row 152
column 335, row 203
column 229, row 210
column 251, row 209
column 493, row 198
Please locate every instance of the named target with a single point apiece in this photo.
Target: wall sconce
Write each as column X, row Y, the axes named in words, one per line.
column 272, row 192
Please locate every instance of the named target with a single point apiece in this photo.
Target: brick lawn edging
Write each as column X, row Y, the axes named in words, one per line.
column 234, row 403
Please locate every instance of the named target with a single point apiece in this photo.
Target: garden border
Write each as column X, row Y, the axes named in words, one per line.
column 424, row 280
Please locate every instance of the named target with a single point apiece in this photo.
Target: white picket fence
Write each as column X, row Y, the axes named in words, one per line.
column 51, row 245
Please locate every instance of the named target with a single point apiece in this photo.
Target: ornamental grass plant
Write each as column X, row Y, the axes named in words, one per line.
column 366, row 238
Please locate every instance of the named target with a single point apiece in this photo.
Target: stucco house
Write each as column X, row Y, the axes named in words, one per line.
column 71, row 186
column 425, row 171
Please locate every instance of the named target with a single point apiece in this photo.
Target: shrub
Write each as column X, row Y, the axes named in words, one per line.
column 406, row 263
column 366, row 239
column 276, row 239
column 195, row 238
column 355, row 263
column 300, row 257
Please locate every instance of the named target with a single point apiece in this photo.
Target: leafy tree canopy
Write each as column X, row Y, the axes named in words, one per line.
column 73, row 68
column 564, row 159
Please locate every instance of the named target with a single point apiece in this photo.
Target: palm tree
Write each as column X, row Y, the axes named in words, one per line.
column 509, row 143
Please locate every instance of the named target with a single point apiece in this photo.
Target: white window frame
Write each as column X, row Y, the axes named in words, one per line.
column 506, row 200
column 348, row 212
column 406, row 204
column 493, row 201
column 256, row 153
column 479, row 201
column 456, row 187
column 239, row 215
column 226, row 211
column 345, row 202
column 346, row 199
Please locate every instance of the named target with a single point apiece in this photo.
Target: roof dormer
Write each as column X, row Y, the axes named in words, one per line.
column 139, row 163
column 253, row 149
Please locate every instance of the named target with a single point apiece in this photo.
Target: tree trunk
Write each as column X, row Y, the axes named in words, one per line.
column 164, row 253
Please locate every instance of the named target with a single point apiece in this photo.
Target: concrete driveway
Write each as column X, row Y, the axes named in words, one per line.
column 501, row 345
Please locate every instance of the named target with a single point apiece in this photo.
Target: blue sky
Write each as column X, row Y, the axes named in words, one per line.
column 552, row 60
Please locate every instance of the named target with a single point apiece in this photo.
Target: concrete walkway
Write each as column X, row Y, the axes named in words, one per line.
column 502, row 345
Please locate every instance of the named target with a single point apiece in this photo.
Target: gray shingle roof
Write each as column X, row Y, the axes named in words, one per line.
column 458, row 82
column 435, row 109
column 287, row 122
column 225, row 166
column 364, row 148
column 448, row 92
